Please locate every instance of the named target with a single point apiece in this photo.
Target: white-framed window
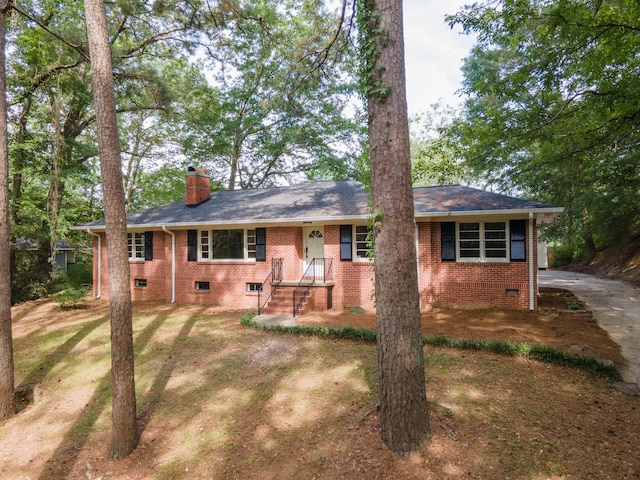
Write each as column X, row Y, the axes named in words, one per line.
column 251, row 244
column 135, row 245
column 204, row 244
column 483, row 241
column 495, row 240
column 227, row 244
column 254, row 287
column 362, row 244
column 140, row 283
column 355, row 243
column 202, row 286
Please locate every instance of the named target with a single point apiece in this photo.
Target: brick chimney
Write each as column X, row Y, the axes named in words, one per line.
column 198, row 187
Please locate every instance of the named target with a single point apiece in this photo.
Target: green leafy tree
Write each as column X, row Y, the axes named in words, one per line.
column 552, row 108
column 52, row 149
column 436, row 159
column 277, row 106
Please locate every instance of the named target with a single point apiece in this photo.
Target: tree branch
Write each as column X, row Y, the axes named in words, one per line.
column 77, row 48
column 40, row 79
column 149, row 41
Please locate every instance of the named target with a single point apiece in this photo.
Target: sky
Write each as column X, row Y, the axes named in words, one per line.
column 433, row 53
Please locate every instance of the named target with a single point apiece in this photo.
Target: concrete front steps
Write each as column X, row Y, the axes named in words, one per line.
column 281, row 302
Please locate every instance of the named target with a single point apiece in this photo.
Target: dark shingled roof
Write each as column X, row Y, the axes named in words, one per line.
column 326, row 201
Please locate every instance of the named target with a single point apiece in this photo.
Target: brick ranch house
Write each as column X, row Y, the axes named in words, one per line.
column 305, row 246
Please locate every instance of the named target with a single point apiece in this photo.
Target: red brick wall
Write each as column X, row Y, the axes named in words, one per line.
column 442, row 284
column 157, row 272
column 198, row 186
column 227, row 280
column 286, row 243
column 468, row 284
column 354, row 280
column 99, row 284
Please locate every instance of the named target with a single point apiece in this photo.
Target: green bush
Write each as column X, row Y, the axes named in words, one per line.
column 31, row 278
column 70, row 298
column 567, row 254
column 80, row 274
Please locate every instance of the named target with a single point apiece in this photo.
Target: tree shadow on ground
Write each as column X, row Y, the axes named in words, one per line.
column 24, row 392
column 61, row 463
column 151, row 399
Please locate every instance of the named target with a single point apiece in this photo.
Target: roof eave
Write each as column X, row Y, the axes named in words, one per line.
column 550, row 213
column 546, row 214
column 249, row 221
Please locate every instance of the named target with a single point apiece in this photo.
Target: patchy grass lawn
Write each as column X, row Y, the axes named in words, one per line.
column 217, row 400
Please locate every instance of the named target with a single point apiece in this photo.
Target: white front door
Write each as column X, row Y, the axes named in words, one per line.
column 314, row 248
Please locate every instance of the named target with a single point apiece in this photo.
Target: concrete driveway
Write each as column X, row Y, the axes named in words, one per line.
column 615, row 306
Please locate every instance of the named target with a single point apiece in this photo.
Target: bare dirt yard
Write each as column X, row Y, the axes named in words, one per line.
column 217, row 400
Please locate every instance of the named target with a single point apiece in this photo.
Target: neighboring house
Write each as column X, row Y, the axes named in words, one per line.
column 475, row 248
column 66, row 253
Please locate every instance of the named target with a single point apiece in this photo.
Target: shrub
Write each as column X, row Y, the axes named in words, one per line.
column 538, row 352
column 80, row 274
column 567, row 254
column 70, row 298
column 31, row 278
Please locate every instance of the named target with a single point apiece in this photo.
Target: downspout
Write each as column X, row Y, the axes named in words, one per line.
column 531, row 264
column 98, row 293
column 173, row 263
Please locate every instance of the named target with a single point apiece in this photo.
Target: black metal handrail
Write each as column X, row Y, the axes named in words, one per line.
column 318, row 269
column 274, row 276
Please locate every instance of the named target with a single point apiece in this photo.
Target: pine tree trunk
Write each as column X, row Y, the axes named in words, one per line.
column 6, row 339
column 123, row 432
column 403, row 402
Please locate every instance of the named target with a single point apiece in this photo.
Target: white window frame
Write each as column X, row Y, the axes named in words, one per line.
column 135, row 246
column 360, row 254
column 250, row 243
column 482, row 242
column 205, row 247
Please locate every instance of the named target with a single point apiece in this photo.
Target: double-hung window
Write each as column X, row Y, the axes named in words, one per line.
column 495, row 240
column 231, row 244
column 355, row 243
column 135, row 246
column 482, row 241
column 251, row 244
column 362, row 245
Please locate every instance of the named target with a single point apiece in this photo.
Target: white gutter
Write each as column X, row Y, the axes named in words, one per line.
column 531, row 264
column 98, row 293
column 173, row 263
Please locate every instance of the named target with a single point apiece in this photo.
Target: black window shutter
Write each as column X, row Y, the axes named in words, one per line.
column 261, row 244
column 518, row 238
column 148, row 245
column 192, row 245
column 346, row 232
column 448, row 241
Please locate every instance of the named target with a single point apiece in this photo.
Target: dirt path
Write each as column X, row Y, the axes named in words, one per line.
column 615, row 306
